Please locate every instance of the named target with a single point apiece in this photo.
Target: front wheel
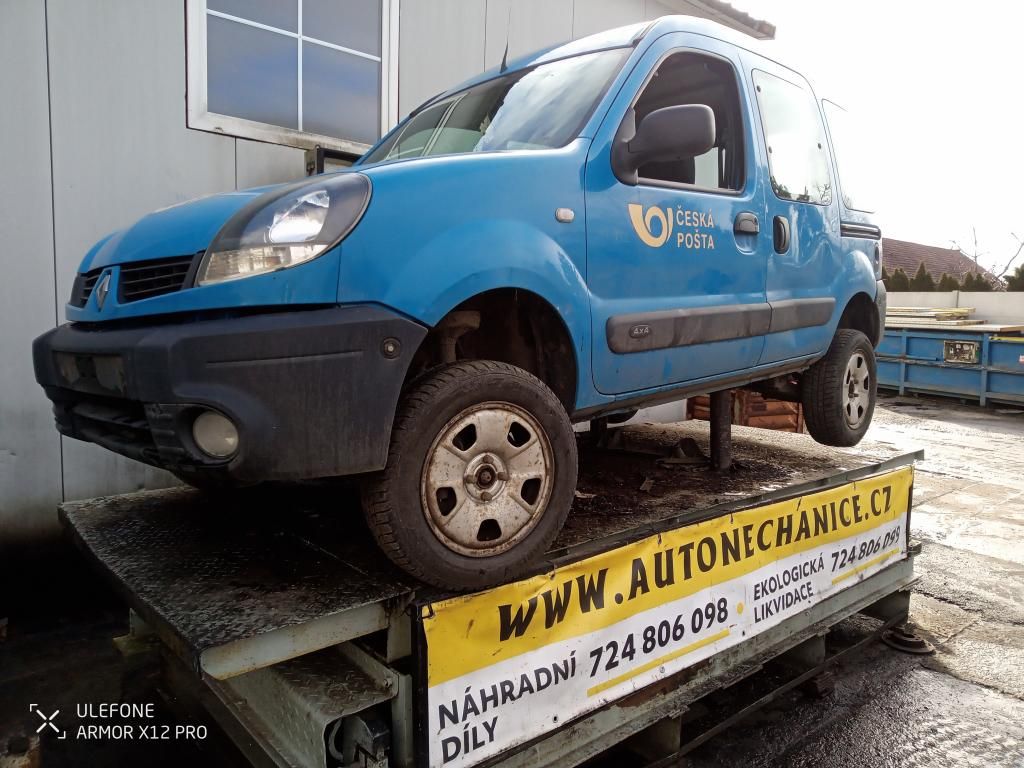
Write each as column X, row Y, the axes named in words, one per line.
column 838, row 392
column 479, row 479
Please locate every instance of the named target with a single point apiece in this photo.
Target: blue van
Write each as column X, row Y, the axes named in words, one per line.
column 634, row 217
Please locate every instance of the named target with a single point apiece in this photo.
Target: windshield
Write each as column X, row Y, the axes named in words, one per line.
column 539, row 108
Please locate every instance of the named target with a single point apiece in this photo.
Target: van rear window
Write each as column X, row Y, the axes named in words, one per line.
column 852, row 159
column 797, row 155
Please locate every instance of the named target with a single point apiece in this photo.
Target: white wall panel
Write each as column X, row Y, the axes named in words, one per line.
column 30, row 481
column 120, row 150
column 441, row 43
column 259, row 164
column 531, row 25
column 653, row 9
column 590, row 16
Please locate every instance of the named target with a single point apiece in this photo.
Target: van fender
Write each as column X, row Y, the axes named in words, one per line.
column 856, row 276
column 484, row 255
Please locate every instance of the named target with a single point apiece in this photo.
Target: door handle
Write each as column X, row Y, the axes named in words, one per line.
column 780, row 233
column 746, row 223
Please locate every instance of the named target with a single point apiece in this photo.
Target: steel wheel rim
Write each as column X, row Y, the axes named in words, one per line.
column 487, row 479
column 856, row 390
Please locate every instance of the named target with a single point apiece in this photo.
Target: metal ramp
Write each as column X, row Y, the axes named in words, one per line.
column 308, row 646
column 237, row 584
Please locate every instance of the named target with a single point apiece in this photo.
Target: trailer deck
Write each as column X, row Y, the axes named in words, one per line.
column 317, row 651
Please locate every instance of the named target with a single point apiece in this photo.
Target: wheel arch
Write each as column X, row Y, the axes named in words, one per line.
column 511, row 325
column 861, row 314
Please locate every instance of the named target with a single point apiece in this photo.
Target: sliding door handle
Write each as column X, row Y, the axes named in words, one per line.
column 746, row 223
column 780, row 233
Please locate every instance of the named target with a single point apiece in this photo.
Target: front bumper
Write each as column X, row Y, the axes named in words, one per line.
column 313, row 392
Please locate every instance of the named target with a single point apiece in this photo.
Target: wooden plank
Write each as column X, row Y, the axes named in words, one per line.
column 931, row 310
column 972, row 328
column 909, row 321
column 780, row 423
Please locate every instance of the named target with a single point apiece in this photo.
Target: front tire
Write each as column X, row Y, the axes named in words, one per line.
column 480, row 476
column 839, row 391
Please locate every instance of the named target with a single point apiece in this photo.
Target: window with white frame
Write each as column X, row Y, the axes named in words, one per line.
column 295, row 72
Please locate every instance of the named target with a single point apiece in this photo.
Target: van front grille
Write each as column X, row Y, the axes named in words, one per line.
column 82, row 289
column 146, row 279
column 139, row 280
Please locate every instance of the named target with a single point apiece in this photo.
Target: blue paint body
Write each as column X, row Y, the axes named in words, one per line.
column 440, row 230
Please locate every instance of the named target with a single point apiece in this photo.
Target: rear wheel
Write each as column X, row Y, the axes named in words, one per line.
column 838, row 392
column 479, row 479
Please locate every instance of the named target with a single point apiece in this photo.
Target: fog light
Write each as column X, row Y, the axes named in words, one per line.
column 215, row 435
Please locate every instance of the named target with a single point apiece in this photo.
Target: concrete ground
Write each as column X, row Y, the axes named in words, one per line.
column 964, row 705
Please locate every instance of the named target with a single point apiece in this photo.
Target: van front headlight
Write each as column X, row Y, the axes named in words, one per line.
column 286, row 227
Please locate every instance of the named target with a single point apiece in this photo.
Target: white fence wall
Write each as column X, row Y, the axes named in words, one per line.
column 1001, row 307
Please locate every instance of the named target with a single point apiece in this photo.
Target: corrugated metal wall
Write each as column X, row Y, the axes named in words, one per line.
column 443, row 42
column 93, row 135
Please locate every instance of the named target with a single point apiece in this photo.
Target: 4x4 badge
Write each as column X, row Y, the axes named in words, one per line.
column 102, row 289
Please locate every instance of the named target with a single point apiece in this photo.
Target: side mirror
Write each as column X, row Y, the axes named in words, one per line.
column 669, row 133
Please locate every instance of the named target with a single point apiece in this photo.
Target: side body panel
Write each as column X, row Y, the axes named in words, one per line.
column 815, row 268
column 677, row 296
column 861, row 238
column 441, row 230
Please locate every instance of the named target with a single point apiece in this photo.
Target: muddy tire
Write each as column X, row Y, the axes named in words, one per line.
column 839, row 391
column 479, row 479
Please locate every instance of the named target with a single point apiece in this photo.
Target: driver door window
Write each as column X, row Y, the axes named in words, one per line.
column 692, row 78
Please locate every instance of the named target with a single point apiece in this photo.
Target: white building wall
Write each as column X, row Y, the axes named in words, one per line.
column 30, row 477
column 443, row 42
column 93, row 135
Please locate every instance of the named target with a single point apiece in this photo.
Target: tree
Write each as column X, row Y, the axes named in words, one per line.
column 1015, row 282
column 923, row 281
column 885, row 278
column 975, row 282
column 975, row 254
column 947, row 283
column 1020, row 247
column 899, row 281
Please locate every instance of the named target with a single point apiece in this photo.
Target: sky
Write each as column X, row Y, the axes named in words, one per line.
column 938, row 87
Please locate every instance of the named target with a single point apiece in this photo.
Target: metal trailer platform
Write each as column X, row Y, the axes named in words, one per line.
column 280, row 615
column 983, row 362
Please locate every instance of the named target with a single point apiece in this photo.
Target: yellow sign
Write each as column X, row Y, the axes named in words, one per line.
column 608, row 588
column 512, row 663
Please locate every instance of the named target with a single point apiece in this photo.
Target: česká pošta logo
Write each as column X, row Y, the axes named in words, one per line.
column 656, row 226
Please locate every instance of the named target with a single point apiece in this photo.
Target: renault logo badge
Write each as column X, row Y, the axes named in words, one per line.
column 102, row 289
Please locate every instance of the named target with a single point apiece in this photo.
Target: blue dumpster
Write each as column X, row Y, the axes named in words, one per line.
column 974, row 361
